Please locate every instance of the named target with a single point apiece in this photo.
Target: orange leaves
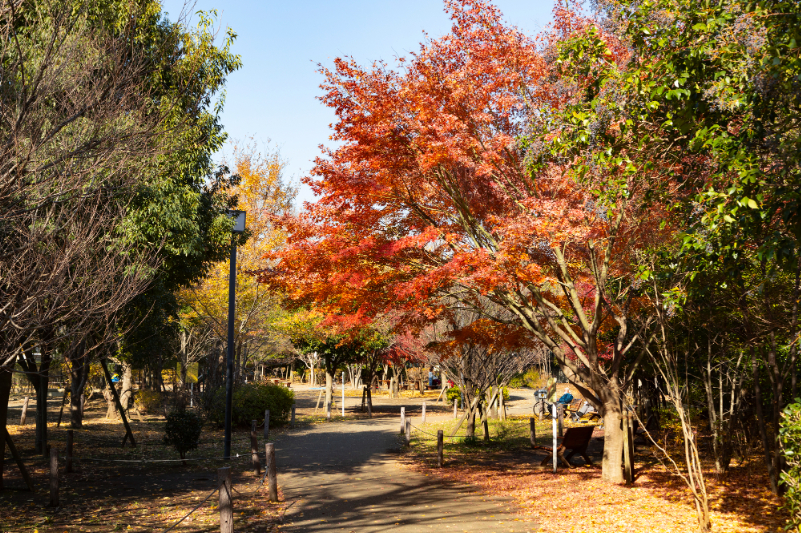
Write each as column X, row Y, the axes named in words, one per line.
column 430, row 194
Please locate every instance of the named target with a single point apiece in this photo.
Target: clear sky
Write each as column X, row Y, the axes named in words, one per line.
column 273, row 96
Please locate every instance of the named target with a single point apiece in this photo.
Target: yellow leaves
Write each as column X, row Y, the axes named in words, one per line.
column 263, row 194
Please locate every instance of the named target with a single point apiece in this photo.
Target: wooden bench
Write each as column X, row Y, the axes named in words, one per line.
column 582, row 411
column 576, row 440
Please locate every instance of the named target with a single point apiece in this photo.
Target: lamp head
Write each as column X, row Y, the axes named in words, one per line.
column 239, row 220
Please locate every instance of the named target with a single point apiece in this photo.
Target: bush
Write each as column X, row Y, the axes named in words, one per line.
column 148, row 401
column 183, row 431
column 790, row 437
column 453, row 394
column 250, row 402
column 525, row 379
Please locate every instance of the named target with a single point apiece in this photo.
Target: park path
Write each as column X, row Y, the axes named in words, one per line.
column 344, row 476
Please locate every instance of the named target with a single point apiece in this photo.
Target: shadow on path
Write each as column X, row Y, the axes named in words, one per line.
column 343, row 476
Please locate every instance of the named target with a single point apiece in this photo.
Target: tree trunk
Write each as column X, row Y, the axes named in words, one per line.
column 184, row 358
column 612, row 470
column 127, row 386
column 157, row 380
column 38, row 378
column 763, row 433
column 79, row 374
column 41, row 403
column 471, row 423
column 484, row 423
column 5, row 392
column 329, row 390
column 721, row 437
column 111, row 409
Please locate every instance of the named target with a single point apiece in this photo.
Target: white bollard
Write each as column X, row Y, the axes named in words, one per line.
column 424, row 412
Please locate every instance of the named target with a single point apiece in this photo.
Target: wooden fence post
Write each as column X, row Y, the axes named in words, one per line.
column 68, row 466
column 424, row 412
column 226, row 505
column 560, row 413
column 266, row 424
column 53, row 477
column 408, row 430
column 272, row 480
column 24, row 417
column 440, row 435
column 403, row 420
column 254, row 448
column 532, row 431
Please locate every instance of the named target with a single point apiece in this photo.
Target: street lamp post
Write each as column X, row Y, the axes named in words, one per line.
column 239, row 227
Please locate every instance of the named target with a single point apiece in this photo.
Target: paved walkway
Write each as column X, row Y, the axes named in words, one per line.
column 344, row 476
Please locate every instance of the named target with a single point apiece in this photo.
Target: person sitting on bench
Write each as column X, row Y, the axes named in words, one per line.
column 566, row 398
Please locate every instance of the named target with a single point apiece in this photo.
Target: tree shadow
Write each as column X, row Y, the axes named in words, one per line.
column 343, row 476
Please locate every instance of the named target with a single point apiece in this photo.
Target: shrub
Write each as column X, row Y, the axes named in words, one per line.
column 790, row 437
column 250, row 402
column 183, row 431
column 525, row 379
column 454, row 394
column 148, row 401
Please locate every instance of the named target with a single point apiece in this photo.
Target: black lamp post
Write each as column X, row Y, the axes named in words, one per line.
column 239, row 227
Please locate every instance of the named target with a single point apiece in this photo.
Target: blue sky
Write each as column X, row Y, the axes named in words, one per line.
column 273, row 97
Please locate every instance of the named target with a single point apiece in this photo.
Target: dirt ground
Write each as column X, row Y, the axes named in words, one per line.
column 113, row 489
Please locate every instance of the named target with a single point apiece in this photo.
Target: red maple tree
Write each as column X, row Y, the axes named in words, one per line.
column 432, row 201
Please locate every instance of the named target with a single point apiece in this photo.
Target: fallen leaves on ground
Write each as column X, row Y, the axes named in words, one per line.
column 137, row 497
column 577, row 500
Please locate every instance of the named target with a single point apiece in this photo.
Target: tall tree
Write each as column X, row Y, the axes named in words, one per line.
column 432, row 198
column 100, row 98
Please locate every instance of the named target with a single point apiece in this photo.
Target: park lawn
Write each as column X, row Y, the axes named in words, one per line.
column 576, row 500
column 134, row 497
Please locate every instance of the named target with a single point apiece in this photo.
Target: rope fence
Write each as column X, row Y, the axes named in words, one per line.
column 143, row 461
column 421, row 430
column 198, row 506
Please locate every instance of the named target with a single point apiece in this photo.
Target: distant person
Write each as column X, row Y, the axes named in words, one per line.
column 566, row 398
column 431, row 377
